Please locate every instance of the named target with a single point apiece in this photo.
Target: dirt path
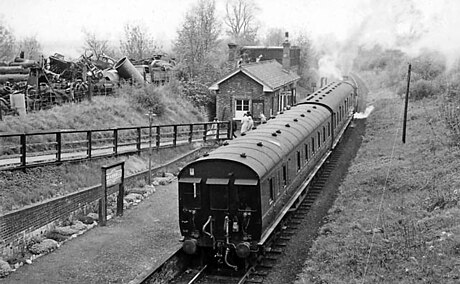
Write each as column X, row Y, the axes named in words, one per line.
column 142, row 238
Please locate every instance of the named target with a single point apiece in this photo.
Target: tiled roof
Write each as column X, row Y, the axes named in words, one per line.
column 269, row 74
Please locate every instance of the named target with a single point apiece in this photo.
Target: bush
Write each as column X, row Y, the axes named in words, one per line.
column 148, row 98
column 423, row 89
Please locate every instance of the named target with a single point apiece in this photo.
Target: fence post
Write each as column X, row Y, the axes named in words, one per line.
column 218, row 131
column 230, row 130
column 205, row 130
column 89, row 142
column 190, row 137
column 138, row 144
column 58, row 146
column 175, row 136
column 115, row 141
column 23, row 151
column 102, row 212
column 158, row 138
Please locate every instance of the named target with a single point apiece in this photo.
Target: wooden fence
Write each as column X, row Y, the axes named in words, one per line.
column 22, row 150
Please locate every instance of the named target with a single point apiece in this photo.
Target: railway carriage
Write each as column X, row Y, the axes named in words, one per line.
column 232, row 199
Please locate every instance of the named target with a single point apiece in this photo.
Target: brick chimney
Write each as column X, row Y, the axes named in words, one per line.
column 232, row 52
column 286, row 53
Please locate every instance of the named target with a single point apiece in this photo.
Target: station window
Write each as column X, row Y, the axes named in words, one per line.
column 299, row 161
column 242, row 105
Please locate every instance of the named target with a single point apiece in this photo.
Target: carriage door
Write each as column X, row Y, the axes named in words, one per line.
column 218, row 202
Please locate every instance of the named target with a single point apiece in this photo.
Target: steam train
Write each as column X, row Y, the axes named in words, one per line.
column 233, row 198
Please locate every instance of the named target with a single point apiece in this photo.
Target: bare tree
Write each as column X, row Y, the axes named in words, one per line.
column 241, row 21
column 197, row 39
column 138, row 43
column 31, row 47
column 7, row 42
column 308, row 60
column 275, row 36
column 96, row 46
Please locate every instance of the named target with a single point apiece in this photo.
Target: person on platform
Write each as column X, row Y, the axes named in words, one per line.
column 244, row 123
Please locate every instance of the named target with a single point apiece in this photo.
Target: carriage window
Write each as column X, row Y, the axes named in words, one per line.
column 299, row 161
column 284, row 175
column 324, row 133
column 313, row 145
column 319, row 139
column 246, row 189
column 218, row 193
column 328, row 129
column 272, row 189
column 306, row 152
column 190, row 192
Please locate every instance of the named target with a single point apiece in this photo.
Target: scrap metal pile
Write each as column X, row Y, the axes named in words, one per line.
column 28, row 85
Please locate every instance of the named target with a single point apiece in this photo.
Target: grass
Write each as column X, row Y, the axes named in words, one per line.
column 121, row 110
column 38, row 184
column 396, row 219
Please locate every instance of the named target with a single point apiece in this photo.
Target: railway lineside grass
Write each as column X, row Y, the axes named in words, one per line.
column 38, row 184
column 126, row 108
column 397, row 216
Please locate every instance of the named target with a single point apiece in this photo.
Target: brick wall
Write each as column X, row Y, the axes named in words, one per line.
column 239, row 86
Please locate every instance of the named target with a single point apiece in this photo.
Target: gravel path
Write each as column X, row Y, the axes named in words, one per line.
column 145, row 236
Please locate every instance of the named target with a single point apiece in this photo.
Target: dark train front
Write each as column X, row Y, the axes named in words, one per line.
column 231, row 199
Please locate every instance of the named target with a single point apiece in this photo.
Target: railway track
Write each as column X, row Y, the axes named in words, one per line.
column 178, row 268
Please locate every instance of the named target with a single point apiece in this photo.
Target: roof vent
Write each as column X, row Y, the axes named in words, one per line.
column 260, row 144
column 243, row 134
column 243, row 155
column 225, row 143
column 316, row 100
column 278, row 131
column 274, row 134
column 263, row 122
column 205, row 154
column 295, row 119
column 287, row 125
column 314, row 107
column 302, row 115
column 308, row 110
column 281, row 112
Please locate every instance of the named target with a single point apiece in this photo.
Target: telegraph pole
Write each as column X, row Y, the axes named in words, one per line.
column 405, row 106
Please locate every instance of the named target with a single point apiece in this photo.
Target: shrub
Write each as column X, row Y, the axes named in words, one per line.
column 149, row 98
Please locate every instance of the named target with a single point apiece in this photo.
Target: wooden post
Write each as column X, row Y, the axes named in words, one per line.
column 175, row 136
column 103, row 200
column 405, row 105
column 88, row 145
column 205, row 130
column 139, row 140
column 115, row 141
column 190, row 137
column 58, row 146
column 158, row 138
column 23, row 152
column 121, row 194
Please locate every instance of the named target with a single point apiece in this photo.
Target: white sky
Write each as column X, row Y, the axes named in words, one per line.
column 58, row 24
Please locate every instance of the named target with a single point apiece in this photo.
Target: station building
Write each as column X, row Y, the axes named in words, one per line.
column 263, row 80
